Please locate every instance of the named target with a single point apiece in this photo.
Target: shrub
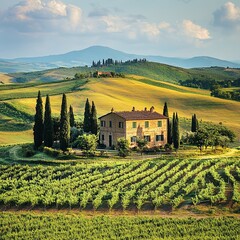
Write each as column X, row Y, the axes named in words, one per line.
column 123, row 147
column 52, row 152
column 87, row 143
column 28, row 150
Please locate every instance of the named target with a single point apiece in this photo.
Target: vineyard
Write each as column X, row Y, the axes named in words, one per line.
column 63, row 227
column 125, row 186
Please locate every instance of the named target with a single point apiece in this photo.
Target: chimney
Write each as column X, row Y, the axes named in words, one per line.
column 152, row 109
column 145, row 109
column 112, row 110
column 133, row 109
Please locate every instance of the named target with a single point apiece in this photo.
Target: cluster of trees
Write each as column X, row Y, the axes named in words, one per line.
column 46, row 129
column 218, row 88
column 219, row 92
column 110, row 61
column 172, row 128
column 208, row 135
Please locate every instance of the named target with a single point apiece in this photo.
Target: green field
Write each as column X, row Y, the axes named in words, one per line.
column 59, row 226
column 146, row 85
column 140, row 185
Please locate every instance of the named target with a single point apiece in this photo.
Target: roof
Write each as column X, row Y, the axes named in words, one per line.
column 138, row 115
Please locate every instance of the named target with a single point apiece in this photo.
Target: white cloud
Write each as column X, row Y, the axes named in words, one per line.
column 42, row 16
column 195, row 31
column 228, row 16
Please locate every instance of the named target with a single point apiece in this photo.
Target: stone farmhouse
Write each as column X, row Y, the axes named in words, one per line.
column 147, row 124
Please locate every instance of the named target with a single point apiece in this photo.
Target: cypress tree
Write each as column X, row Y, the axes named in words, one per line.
column 71, row 116
column 165, row 110
column 169, row 129
column 38, row 123
column 94, row 126
column 64, row 125
column 169, row 132
column 175, row 131
column 87, row 117
column 48, row 124
column 194, row 126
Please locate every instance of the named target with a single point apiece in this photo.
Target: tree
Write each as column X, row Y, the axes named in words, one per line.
column 169, row 130
column 48, row 124
column 87, row 143
column 71, row 116
column 64, row 125
column 141, row 143
column 194, row 126
column 165, row 110
column 94, row 125
column 87, row 117
column 38, row 123
column 123, row 147
column 175, row 131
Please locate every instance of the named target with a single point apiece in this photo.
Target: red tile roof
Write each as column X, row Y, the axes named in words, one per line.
column 138, row 115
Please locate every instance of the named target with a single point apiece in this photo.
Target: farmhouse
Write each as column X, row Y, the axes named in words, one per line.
column 150, row 125
column 104, row 74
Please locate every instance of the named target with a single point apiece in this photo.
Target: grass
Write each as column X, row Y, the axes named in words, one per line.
column 148, row 88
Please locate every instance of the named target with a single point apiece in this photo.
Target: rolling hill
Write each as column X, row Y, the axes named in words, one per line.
column 95, row 53
column 120, row 93
column 147, row 69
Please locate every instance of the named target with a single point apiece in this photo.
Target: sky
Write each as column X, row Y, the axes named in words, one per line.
column 173, row 28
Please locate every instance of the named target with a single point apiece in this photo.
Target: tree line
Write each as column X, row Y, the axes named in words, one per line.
column 47, row 129
column 110, row 61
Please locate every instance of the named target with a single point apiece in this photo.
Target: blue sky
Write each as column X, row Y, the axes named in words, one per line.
column 177, row 28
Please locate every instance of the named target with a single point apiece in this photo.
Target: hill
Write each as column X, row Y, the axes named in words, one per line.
column 95, row 53
column 119, row 93
column 147, row 69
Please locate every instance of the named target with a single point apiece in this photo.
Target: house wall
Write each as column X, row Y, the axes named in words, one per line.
column 153, row 130
column 114, row 131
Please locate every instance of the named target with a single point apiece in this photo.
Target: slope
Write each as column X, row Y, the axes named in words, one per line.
column 124, row 93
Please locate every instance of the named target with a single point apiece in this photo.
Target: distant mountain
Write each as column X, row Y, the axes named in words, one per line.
column 95, row 53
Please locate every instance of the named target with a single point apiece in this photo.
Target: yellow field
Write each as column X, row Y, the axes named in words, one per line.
column 16, row 137
column 124, row 93
column 5, row 78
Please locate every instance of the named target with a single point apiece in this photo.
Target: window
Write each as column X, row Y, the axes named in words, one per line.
column 147, row 138
column 159, row 123
column 134, row 124
column 102, row 137
column 133, row 139
column 147, row 124
column 103, row 124
column 120, row 124
column 110, row 124
column 159, row 138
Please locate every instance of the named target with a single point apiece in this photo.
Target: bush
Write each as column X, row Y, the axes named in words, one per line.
column 87, row 143
column 28, row 150
column 123, row 147
column 52, row 152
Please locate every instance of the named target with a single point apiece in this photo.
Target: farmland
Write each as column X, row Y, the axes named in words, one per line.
column 59, row 226
column 134, row 185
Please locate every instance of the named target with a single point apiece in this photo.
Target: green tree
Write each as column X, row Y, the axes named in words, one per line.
column 87, row 117
column 71, row 116
column 38, row 123
column 87, row 143
column 175, row 131
column 194, row 126
column 94, row 125
column 123, row 147
column 64, row 125
column 169, row 129
column 165, row 110
column 48, row 124
column 141, row 144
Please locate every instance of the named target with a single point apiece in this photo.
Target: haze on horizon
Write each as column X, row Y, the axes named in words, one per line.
column 177, row 28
